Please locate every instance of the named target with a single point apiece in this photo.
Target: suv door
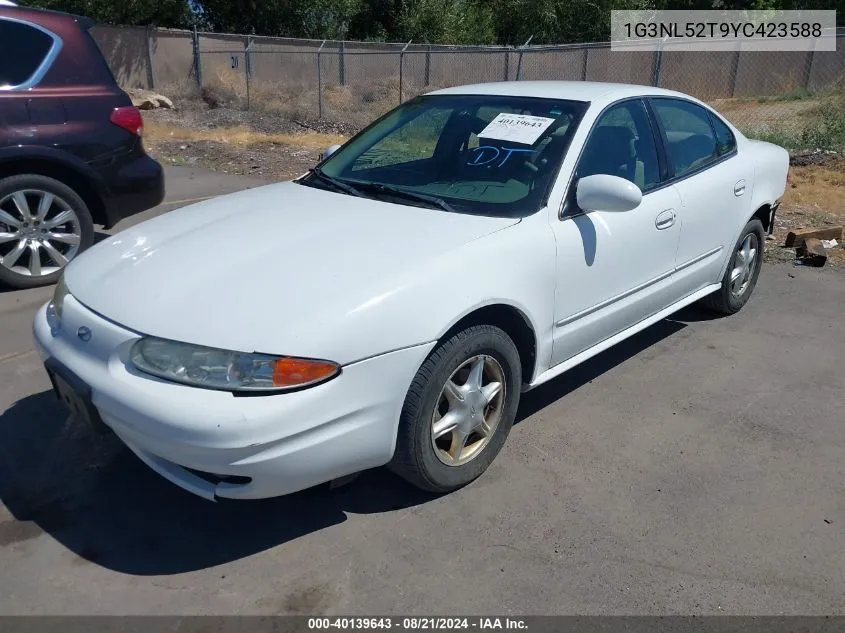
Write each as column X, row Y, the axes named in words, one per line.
column 714, row 185
column 614, row 268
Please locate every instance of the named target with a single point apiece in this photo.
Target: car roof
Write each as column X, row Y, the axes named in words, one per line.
column 42, row 17
column 570, row 90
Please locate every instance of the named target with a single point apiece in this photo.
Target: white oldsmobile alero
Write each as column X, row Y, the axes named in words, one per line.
column 390, row 306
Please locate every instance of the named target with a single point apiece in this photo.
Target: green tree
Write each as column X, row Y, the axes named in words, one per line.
column 319, row 19
column 556, row 21
column 432, row 21
column 447, row 21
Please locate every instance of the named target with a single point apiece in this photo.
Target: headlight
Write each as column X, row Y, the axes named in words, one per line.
column 56, row 305
column 225, row 370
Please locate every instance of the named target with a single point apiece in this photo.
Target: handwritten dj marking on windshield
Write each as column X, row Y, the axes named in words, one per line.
column 486, row 155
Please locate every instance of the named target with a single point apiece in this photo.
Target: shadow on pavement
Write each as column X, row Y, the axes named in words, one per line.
column 589, row 370
column 95, row 497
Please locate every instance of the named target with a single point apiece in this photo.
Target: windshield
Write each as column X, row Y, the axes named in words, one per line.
column 482, row 154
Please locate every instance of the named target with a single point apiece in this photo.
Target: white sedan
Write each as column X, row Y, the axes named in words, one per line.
column 390, row 306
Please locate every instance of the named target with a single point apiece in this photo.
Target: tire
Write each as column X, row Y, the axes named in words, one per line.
column 732, row 295
column 18, row 267
column 437, row 465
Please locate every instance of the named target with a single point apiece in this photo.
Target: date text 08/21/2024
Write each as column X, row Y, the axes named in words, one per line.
column 417, row 623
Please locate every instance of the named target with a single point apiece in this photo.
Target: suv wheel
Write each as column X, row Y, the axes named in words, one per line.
column 43, row 225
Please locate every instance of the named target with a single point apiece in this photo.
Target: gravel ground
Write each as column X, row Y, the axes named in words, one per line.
column 263, row 159
column 200, row 118
column 269, row 160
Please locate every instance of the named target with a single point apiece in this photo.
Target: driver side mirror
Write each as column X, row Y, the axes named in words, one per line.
column 603, row 192
column 329, row 151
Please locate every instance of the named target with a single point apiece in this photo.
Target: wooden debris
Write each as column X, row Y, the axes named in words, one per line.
column 812, row 252
column 796, row 238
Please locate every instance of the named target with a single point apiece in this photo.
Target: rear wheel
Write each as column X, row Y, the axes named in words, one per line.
column 742, row 272
column 459, row 410
column 43, row 225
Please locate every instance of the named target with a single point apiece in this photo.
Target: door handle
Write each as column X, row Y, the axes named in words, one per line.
column 739, row 188
column 665, row 219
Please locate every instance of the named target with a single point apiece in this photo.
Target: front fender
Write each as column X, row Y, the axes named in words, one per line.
column 514, row 266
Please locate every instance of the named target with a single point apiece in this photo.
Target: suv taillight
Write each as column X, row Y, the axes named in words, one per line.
column 129, row 118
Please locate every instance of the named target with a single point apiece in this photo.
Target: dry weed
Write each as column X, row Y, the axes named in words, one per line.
column 240, row 136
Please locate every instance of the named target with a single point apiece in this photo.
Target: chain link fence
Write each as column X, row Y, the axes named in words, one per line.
column 766, row 93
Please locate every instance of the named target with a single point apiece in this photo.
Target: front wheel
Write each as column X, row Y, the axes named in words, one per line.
column 743, row 270
column 459, row 410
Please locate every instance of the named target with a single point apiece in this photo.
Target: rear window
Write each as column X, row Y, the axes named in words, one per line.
column 725, row 141
column 692, row 144
column 30, row 46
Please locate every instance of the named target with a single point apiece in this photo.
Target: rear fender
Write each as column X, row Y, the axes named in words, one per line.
column 35, row 154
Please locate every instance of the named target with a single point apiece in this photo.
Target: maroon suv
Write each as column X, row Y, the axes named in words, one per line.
column 70, row 146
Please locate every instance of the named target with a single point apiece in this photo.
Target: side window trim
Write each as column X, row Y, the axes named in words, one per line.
column 713, row 117
column 564, row 212
column 45, row 64
column 664, row 139
column 660, row 141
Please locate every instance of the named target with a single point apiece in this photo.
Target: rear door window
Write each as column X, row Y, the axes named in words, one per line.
column 690, row 138
column 27, row 49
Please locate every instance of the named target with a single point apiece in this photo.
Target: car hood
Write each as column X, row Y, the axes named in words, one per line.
column 264, row 269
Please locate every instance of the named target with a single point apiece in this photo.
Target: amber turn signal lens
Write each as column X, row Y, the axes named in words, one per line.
column 295, row 372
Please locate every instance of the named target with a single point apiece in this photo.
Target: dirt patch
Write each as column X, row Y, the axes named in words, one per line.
column 818, row 185
column 815, row 198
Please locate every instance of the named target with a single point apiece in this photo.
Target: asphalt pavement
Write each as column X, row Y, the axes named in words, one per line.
column 697, row 468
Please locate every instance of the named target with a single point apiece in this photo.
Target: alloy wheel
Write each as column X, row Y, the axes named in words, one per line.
column 744, row 264
column 468, row 410
column 39, row 233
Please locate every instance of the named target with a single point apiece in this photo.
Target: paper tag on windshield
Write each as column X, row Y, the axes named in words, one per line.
column 517, row 128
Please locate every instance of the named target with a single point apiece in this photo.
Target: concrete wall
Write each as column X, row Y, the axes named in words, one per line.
column 173, row 57
column 125, row 49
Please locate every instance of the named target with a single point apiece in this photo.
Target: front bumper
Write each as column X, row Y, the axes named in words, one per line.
column 255, row 447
